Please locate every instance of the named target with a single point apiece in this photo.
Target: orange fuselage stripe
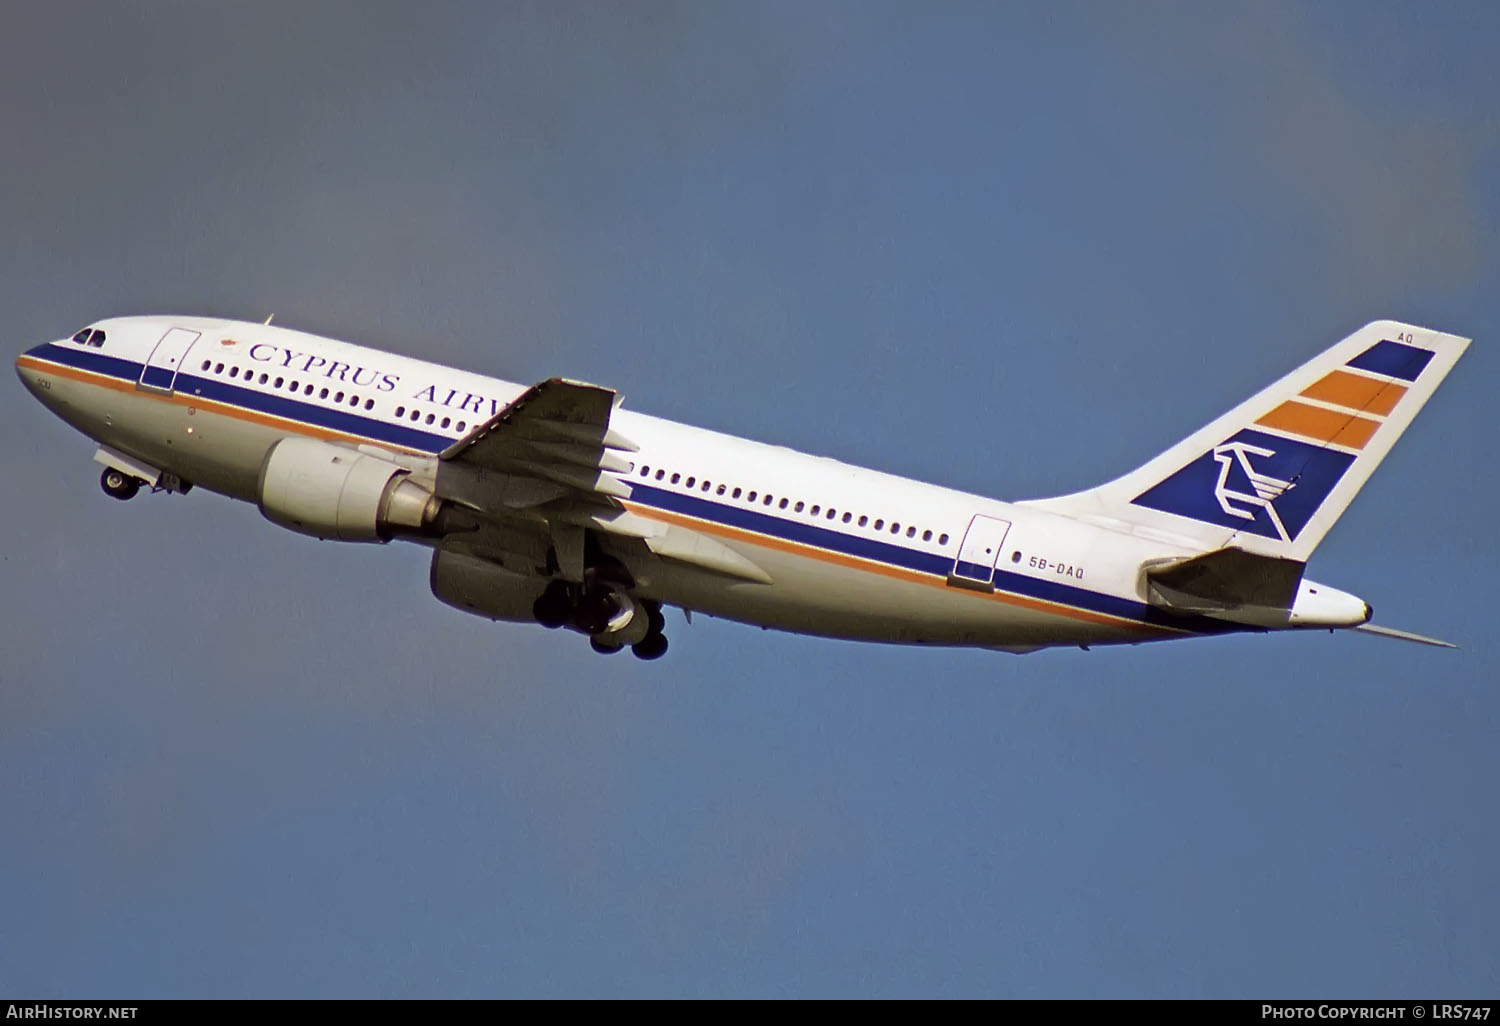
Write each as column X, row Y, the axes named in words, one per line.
column 885, row 569
column 182, row 399
column 707, row 526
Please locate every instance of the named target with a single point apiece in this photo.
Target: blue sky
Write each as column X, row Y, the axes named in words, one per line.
column 1011, row 248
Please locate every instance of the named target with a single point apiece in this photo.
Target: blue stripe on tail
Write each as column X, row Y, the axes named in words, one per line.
column 1394, row 360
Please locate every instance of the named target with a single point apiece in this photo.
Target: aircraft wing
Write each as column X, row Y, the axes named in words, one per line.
column 553, row 441
column 552, row 455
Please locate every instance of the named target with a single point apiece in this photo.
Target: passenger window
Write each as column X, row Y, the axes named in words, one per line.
column 782, row 504
column 751, row 497
column 879, row 525
column 339, row 397
column 264, row 378
column 280, row 382
column 736, row 494
column 814, row 510
column 911, row 532
column 797, row 508
column 323, row 393
column 927, row 536
column 690, row 481
column 431, row 417
column 401, row 411
column 219, row 368
column 942, row 539
column 676, row 477
column 706, row 486
column 645, row 471
column 832, row 513
column 660, row 474
column 895, row 527
column 720, row 491
column 1015, row 557
column 848, row 517
column 369, row 404
column 462, row 425
column 234, row 372
column 308, row 390
column 207, row 364
column 863, row 520
column 446, row 422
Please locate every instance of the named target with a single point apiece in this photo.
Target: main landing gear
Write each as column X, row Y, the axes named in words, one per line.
column 611, row 618
column 119, row 485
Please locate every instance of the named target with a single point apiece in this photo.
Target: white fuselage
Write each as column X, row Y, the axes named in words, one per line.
column 850, row 552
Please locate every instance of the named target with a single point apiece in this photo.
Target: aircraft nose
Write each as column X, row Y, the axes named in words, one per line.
column 28, row 371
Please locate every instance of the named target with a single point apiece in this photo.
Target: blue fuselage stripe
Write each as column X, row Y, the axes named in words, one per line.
column 702, row 508
column 912, row 559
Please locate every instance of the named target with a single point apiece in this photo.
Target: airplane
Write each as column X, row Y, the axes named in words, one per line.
column 553, row 504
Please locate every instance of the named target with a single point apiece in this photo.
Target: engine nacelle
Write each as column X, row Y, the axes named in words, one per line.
column 483, row 588
column 330, row 491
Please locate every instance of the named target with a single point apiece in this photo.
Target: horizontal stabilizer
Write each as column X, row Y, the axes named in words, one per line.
column 1222, row 582
column 1391, row 632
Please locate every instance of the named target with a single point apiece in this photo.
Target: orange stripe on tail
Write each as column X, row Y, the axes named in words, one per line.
column 1363, row 394
column 1323, row 425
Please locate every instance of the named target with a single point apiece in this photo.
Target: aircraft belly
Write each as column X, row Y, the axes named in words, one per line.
column 210, row 450
column 812, row 596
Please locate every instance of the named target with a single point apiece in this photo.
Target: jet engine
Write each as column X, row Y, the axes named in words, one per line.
column 330, row 491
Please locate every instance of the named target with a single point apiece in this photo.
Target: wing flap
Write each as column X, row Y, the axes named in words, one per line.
column 554, row 440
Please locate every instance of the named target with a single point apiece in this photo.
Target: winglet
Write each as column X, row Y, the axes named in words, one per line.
column 1391, row 632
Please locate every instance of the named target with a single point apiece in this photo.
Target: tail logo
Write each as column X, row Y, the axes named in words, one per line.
column 1255, row 482
column 1265, row 489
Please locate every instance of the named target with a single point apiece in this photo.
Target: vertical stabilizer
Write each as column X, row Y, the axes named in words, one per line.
column 1273, row 474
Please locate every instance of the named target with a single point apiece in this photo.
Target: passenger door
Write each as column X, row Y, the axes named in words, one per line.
column 975, row 566
column 166, row 359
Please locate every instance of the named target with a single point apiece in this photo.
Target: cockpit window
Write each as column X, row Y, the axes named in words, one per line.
column 90, row 337
column 82, row 337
